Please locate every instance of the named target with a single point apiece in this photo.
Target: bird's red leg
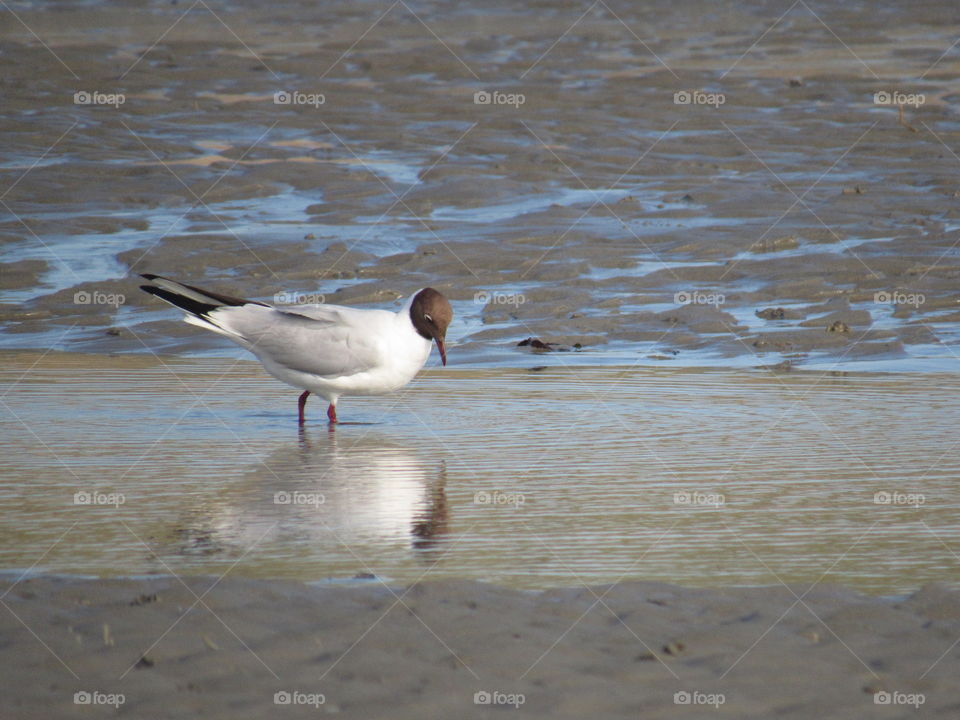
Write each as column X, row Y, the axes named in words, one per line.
column 332, row 413
column 302, row 403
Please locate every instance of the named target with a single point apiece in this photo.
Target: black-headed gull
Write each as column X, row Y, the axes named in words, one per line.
column 328, row 350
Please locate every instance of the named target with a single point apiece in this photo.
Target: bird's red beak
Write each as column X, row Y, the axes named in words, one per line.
column 443, row 351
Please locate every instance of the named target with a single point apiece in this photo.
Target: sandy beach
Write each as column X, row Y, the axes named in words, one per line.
column 203, row 647
column 693, row 455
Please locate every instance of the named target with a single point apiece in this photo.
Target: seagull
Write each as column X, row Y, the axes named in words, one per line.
column 328, row 350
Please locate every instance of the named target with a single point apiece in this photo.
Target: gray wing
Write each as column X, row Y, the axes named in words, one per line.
column 324, row 340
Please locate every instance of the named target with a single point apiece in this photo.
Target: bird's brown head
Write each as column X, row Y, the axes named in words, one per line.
column 430, row 313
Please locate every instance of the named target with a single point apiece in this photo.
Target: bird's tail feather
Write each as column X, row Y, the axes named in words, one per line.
column 196, row 301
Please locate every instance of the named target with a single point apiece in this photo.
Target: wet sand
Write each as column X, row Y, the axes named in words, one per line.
column 606, row 199
column 199, row 647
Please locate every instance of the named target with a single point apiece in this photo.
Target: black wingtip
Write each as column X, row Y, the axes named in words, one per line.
column 183, row 302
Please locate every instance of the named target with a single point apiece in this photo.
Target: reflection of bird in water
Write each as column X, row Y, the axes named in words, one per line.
column 432, row 523
column 323, row 506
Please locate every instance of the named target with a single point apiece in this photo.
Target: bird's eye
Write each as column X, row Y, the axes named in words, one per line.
column 427, row 317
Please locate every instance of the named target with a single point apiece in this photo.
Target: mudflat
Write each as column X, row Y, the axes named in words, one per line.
column 357, row 154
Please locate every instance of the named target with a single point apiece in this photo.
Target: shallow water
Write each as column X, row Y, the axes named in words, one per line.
column 530, row 479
